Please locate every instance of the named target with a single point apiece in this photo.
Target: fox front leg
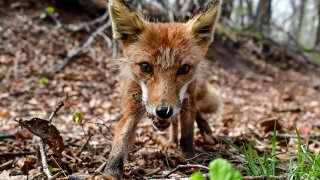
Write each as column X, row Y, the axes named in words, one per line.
column 124, row 137
column 187, row 118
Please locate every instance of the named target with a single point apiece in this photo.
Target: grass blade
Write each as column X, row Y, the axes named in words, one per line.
column 273, row 155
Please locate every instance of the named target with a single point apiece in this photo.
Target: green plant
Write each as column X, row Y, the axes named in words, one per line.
column 308, row 163
column 77, row 117
column 257, row 165
column 219, row 169
column 43, row 81
column 50, row 10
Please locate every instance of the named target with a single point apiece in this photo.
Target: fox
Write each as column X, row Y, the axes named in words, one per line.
column 161, row 78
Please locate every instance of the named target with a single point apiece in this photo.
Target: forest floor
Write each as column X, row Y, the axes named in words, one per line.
column 257, row 90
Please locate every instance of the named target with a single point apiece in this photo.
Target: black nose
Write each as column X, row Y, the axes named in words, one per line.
column 164, row 112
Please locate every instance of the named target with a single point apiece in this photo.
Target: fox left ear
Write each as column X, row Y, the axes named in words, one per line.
column 202, row 25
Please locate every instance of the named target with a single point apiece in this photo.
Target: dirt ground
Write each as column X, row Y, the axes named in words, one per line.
column 256, row 90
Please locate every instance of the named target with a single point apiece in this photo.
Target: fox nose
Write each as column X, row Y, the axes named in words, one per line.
column 164, row 112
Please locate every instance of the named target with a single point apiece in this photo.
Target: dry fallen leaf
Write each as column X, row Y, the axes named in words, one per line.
column 47, row 132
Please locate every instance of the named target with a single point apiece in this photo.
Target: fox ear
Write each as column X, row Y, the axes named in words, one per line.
column 202, row 25
column 126, row 23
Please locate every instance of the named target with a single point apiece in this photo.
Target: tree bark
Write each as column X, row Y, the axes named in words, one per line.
column 263, row 16
column 318, row 31
column 301, row 17
column 226, row 9
column 250, row 12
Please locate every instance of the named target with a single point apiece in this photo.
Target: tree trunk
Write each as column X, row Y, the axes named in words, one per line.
column 250, row 12
column 301, row 17
column 263, row 16
column 226, row 9
column 318, row 31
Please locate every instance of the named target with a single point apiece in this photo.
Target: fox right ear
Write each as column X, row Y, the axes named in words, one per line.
column 126, row 23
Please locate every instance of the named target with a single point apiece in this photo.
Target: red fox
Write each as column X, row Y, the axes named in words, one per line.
column 161, row 78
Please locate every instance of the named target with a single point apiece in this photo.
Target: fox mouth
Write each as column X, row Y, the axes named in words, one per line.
column 159, row 124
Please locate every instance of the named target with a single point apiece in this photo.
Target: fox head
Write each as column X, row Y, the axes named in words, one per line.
column 163, row 58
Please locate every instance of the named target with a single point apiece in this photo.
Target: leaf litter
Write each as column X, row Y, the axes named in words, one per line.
column 256, row 93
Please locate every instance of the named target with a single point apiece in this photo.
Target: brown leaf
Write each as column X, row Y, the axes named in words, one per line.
column 268, row 124
column 47, row 132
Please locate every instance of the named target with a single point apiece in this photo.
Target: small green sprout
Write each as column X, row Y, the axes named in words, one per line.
column 77, row 117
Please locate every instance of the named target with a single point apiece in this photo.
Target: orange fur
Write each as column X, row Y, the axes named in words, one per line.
column 161, row 78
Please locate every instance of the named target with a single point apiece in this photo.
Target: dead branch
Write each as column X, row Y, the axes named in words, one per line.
column 286, row 135
column 198, row 166
column 74, row 52
column 54, row 112
column 6, row 136
column 299, row 51
column 6, row 165
column 101, row 167
column 84, row 145
column 155, row 171
column 14, row 154
column 87, row 25
column 263, row 177
column 58, row 174
column 44, row 159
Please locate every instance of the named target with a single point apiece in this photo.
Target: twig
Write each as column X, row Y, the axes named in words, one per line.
column 74, row 52
column 54, row 112
column 58, row 174
column 87, row 25
column 155, row 171
column 13, row 154
column 101, row 167
column 198, row 166
column 62, row 171
column 286, row 135
column 44, row 159
column 6, row 136
column 264, row 177
column 6, row 165
column 84, row 145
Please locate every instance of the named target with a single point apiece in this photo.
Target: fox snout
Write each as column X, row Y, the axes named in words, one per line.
column 164, row 112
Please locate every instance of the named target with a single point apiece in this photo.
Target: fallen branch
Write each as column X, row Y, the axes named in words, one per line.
column 44, row 163
column 58, row 174
column 87, row 25
column 263, row 177
column 6, row 165
column 198, row 166
column 14, row 154
column 287, row 135
column 84, row 145
column 54, row 112
column 101, row 167
column 74, row 52
column 6, row 136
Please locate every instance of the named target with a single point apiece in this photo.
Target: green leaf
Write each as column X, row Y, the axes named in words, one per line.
column 52, row 169
column 222, row 169
column 77, row 117
column 197, row 176
column 50, row 10
column 43, row 81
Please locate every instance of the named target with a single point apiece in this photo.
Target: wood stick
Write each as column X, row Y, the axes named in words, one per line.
column 44, row 163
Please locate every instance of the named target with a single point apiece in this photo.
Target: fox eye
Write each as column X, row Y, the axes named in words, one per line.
column 184, row 69
column 145, row 67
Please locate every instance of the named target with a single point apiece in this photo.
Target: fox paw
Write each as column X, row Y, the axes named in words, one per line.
column 111, row 175
column 113, row 172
